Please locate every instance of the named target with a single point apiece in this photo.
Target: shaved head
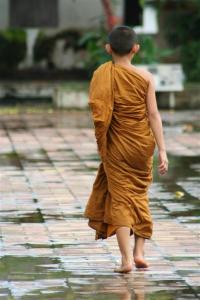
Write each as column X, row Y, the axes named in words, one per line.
column 122, row 39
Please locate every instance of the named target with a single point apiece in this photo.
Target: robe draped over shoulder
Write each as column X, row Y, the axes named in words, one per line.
column 125, row 142
column 101, row 104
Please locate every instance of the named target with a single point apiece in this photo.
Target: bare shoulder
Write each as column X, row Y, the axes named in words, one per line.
column 144, row 73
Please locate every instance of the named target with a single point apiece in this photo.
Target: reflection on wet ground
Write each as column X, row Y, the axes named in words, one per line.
column 48, row 163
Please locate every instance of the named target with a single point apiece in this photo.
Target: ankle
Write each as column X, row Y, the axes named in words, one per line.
column 138, row 253
column 140, row 257
column 127, row 259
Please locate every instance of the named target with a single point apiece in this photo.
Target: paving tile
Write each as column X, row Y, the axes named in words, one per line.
column 48, row 163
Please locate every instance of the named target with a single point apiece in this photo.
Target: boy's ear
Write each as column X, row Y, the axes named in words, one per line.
column 108, row 48
column 136, row 48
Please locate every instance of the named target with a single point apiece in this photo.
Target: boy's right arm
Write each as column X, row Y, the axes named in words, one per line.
column 156, row 125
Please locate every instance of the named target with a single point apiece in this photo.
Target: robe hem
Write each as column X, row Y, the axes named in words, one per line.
column 102, row 235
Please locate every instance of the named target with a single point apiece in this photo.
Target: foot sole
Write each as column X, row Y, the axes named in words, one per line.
column 140, row 263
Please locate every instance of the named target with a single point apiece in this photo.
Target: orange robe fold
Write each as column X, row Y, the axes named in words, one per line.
column 125, row 142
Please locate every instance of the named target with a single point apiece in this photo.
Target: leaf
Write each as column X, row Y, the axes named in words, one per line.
column 179, row 194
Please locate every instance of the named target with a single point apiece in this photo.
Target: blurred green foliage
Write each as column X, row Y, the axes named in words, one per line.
column 43, row 48
column 12, row 48
column 45, row 45
column 191, row 60
column 183, row 33
column 149, row 52
column 94, row 42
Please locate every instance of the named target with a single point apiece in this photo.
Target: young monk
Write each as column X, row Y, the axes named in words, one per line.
column 127, row 127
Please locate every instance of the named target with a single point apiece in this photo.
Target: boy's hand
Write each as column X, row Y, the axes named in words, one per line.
column 163, row 162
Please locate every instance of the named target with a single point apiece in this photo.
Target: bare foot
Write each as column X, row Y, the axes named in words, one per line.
column 140, row 262
column 138, row 253
column 124, row 268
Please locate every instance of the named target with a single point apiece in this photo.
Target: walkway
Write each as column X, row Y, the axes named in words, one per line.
column 48, row 163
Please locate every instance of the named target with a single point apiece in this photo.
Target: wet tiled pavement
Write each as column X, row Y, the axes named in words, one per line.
column 48, row 163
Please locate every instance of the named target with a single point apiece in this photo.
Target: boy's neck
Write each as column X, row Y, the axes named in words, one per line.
column 122, row 60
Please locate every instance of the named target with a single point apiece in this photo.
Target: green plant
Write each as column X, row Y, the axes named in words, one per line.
column 12, row 48
column 43, row 48
column 191, row 60
column 149, row 53
column 182, row 32
column 94, row 42
column 45, row 45
column 142, row 2
column 71, row 38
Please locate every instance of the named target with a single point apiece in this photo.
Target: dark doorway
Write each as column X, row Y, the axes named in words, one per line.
column 132, row 13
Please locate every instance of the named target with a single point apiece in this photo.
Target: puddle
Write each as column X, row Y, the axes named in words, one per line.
column 128, row 287
column 33, row 278
column 178, row 189
column 91, row 157
column 10, row 159
column 187, row 122
column 54, row 245
column 39, row 157
column 63, row 216
column 179, row 167
column 45, row 278
column 18, row 159
column 17, row 217
column 33, row 217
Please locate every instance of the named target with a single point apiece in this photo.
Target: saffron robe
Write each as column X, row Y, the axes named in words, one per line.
column 126, row 144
